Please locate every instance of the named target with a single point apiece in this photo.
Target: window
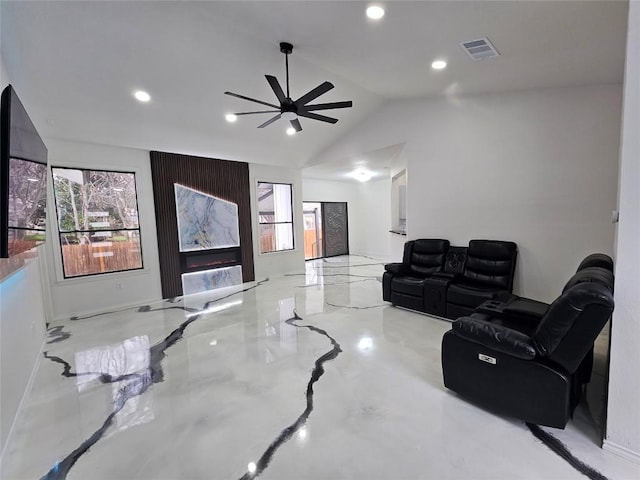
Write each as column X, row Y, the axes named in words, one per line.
column 275, row 217
column 97, row 221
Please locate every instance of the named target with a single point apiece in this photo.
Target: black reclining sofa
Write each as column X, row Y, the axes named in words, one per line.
column 447, row 281
column 528, row 359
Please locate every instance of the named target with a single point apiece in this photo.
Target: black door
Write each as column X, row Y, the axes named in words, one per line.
column 335, row 226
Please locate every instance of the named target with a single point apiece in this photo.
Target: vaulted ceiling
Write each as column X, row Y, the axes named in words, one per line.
column 76, row 64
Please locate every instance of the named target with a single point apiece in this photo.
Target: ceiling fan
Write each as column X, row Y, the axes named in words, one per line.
column 292, row 109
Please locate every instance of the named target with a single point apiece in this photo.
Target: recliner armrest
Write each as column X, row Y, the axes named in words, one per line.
column 527, row 308
column 496, row 337
column 396, row 268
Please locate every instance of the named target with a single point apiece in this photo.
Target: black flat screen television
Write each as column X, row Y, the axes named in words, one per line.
column 23, row 179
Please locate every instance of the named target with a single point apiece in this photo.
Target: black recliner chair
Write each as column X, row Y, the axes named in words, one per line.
column 526, row 370
column 404, row 283
column 597, row 267
column 488, row 275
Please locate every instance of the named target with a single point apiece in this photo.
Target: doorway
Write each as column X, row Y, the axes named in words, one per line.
column 326, row 232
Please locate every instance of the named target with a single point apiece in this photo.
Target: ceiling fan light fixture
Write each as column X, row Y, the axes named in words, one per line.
column 375, row 12
column 291, row 131
column 231, row 117
column 288, row 116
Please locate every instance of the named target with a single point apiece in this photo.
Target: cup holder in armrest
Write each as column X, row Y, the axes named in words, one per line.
column 491, row 306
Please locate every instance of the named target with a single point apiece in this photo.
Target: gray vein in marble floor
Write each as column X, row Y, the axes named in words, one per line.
column 316, row 373
column 329, row 266
column 102, row 377
column 366, row 307
column 331, row 275
column 561, row 449
column 57, row 334
column 335, row 283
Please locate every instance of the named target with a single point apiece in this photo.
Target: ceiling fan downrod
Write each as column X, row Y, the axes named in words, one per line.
column 287, row 49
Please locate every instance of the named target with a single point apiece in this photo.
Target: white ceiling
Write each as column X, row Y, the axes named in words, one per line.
column 377, row 162
column 76, row 64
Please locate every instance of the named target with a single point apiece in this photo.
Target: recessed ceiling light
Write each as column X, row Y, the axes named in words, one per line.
column 362, row 175
column 231, row 117
column 291, row 131
column 142, row 96
column 438, row 64
column 375, row 12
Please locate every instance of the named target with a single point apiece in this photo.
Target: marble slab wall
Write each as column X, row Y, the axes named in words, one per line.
column 205, row 221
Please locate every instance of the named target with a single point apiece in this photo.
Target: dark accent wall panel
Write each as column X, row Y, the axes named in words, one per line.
column 335, row 226
column 222, row 178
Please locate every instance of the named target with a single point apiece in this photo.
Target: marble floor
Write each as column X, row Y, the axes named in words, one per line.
column 302, row 376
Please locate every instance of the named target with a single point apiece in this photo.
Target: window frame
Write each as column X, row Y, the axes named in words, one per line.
column 260, row 223
column 60, row 264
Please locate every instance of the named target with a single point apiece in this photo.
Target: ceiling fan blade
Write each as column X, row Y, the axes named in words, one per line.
column 313, row 94
column 275, row 86
column 261, row 111
column 270, row 121
column 252, row 100
column 315, row 116
column 326, row 106
column 296, row 125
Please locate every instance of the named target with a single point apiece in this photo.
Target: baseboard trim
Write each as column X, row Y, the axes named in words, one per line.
column 25, row 395
column 621, row 451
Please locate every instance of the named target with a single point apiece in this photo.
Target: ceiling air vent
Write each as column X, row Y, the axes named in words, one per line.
column 479, row 49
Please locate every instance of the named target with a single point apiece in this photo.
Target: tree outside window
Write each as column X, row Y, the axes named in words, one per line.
column 275, row 217
column 98, row 224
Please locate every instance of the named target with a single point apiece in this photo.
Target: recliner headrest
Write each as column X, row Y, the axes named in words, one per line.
column 591, row 274
column 430, row 245
column 427, row 256
column 491, row 248
column 600, row 260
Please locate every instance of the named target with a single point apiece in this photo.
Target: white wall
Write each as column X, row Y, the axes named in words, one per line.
column 22, row 328
column 99, row 293
column 372, row 221
column 369, row 210
column 266, row 264
column 623, row 419
column 535, row 167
